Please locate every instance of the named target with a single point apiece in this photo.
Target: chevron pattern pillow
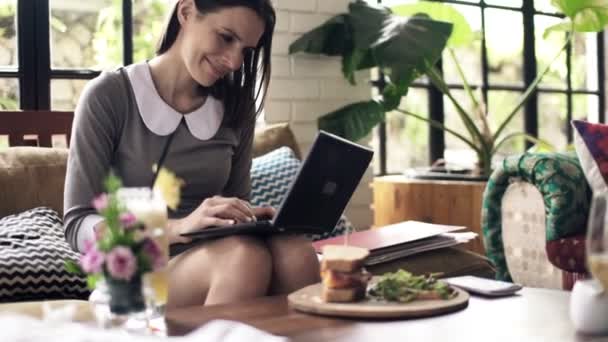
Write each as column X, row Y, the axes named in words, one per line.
column 32, row 254
column 271, row 175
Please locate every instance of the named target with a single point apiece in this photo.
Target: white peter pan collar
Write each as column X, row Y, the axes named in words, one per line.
column 162, row 119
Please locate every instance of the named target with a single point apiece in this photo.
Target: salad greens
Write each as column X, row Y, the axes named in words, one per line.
column 402, row 286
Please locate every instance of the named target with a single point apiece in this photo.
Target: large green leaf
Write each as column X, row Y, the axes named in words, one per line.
column 366, row 23
column 357, row 60
column 587, row 15
column 354, row 121
column 394, row 91
column 571, row 7
column 411, row 43
column 462, row 33
column 332, row 38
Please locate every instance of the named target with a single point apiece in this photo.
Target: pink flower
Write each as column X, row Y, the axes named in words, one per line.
column 92, row 260
column 88, row 245
column 155, row 254
column 128, row 220
column 121, row 263
column 101, row 202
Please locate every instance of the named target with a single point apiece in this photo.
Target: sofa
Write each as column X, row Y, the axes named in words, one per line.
column 534, row 218
column 31, row 207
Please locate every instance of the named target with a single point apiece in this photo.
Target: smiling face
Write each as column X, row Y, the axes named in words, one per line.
column 214, row 44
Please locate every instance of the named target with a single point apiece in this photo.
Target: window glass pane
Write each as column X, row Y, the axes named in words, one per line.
column 3, row 141
column 505, row 47
column 546, row 49
column 148, row 23
column 506, row 3
column 544, row 6
column 468, row 57
column 9, row 93
column 584, row 62
column 500, row 104
column 8, row 33
column 407, row 137
column 552, row 119
column 457, row 153
column 65, row 93
column 585, row 107
column 86, row 34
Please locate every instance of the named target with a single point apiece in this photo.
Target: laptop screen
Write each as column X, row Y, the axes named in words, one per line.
column 324, row 184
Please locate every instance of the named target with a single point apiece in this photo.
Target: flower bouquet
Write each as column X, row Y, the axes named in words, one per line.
column 126, row 247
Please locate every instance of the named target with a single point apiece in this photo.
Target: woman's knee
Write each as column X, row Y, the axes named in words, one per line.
column 243, row 260
column 244, row 254
column 293, row 250
column 243, row 270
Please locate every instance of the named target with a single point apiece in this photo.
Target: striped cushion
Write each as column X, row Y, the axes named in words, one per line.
column 32, row 254
column 271, row 175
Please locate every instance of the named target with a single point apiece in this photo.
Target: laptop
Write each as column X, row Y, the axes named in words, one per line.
column 316, row 197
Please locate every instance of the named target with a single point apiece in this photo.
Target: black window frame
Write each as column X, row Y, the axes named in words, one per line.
column 436, row 107
column 34, row 70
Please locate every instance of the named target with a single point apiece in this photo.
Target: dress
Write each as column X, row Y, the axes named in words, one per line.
column 121, row 123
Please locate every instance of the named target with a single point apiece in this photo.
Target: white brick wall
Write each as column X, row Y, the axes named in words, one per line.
column 333, row 6
column 304, row 87
column 297, row 5
column 304, row 22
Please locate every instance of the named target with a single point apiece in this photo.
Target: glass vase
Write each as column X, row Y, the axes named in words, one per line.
column 120, row 304
column 125, row 296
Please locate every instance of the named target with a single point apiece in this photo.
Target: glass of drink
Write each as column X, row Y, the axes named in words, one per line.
column 589, row 299
column 597, row 239
column 149, row 208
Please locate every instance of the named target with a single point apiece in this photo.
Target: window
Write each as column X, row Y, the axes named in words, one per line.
column 501, row 63
column 49, row 49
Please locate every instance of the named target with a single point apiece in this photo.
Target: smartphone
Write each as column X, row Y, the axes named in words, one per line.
column 484, row 286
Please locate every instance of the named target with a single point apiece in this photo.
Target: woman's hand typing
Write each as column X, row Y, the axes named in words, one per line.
column 216, row 211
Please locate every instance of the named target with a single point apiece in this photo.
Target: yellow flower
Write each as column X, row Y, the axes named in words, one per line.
column 169, row 186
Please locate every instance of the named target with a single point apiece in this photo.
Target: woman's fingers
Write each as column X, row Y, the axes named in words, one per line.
column 231, row 208
column 264, row 213
column 228, row 211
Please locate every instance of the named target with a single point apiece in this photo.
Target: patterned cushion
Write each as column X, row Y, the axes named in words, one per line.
column 32, row 253
column 568, row 253
column 271, row 175
column 591, row 144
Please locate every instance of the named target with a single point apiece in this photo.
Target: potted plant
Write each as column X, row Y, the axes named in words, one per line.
column 405, row 43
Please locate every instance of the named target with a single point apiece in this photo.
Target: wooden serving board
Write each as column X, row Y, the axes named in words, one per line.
column 309, row 300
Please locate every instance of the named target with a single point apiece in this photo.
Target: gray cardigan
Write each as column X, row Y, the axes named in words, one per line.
column 109, row 133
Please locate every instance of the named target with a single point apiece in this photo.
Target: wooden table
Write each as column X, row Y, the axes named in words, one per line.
column 532, row 315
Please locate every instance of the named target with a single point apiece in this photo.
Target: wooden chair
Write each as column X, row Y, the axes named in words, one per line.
column 35, row 128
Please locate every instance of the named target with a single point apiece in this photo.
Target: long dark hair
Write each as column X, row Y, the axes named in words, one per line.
column 237, row 90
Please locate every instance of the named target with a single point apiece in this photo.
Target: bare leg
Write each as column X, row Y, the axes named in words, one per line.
column 220, row 271
column 294, row 263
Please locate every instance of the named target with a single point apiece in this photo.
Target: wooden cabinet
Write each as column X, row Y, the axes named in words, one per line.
column 398, row 198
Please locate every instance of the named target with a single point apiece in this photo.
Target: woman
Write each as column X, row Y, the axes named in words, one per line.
column 199, row 93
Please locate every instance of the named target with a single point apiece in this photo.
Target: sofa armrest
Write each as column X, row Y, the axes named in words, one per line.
column 270, row 137
column 561, row 182
column 31, row 177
